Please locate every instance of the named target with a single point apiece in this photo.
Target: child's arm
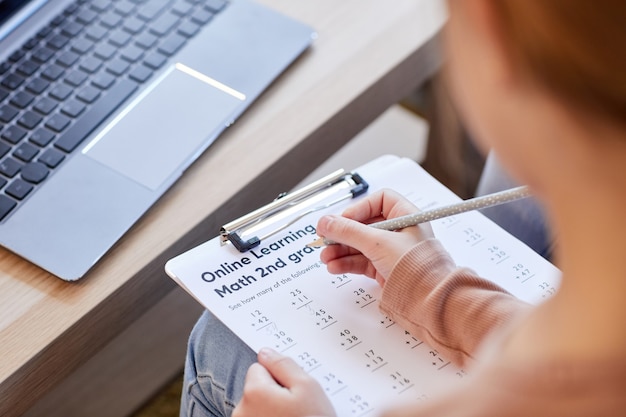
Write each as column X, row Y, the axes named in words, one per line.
column 450, row 308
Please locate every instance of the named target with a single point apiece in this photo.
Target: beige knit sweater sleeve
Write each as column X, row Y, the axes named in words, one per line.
column 448, row 307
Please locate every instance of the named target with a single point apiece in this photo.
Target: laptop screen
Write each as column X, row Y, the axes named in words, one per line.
column 9, row 7
column 14, row 12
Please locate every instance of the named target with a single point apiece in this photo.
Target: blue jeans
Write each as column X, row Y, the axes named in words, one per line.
column 215, row 369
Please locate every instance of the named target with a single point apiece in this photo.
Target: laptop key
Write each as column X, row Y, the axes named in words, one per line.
column 155, row 61
column 103, row 80
column 88, row 94
column 73, row 108
column 31, row 43
column 119, row 38
column 45, row 105
column 96, row 33
column 202, row 17
column 17, row 55
column 53, row 72
column 72, row 137
column 57, row 123
column 215, row 5
column 100, row 5
column 13, row 134
column 152, row 9
column 118, row 67
column 58, row 20
column 19, row 189
column 163, row 24
column 60, row 92
column 6, row 205
column 22, row 99
column 58, row 41
column 71, row 29
column 51, row 157
column 110, row 20
column 41, row 137
column 104, row 51
column 37, row 85
column 9, row 167
column 25, row 152
column 146, row 40
column 86, row 16
column 34, row 172
column 91, row 64
column 134, row 25
column 4, row 148
column 7, row 113
column 71, row 9
column 43, row 54
column 29, row 120
column 4, row 67
column 28, row 67
column 182, row 8
column 82, row 45
column 188, row 29
column 12, row 81
column 67, row 58
column 124, row 8
column 75, row 78
column 140, row 73
column 132, row 53
column 44, row 32
column 172, row 44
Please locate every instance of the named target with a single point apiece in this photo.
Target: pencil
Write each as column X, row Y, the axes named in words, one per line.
column 441, row 212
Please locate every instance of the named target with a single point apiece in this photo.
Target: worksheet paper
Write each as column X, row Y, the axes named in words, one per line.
column 280, row 295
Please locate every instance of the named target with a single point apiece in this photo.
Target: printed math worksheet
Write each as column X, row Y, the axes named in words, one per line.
column 280, row 295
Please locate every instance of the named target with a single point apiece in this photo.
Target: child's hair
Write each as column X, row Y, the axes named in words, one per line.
column 573, row 47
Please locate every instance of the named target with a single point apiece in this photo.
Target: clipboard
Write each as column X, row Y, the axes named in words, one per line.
column 251, row 229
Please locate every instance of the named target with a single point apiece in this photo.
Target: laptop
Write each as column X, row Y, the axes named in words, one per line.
column 105, row 103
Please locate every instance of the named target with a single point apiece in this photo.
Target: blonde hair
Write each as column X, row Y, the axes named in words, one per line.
column 576, row 48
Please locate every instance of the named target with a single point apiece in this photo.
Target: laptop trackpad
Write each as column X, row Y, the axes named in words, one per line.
column 165, row 126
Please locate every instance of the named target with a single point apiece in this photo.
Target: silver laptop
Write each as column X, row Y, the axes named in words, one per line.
column 105, row 103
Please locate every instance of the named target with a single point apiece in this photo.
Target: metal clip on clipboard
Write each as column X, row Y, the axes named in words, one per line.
column 248, row 231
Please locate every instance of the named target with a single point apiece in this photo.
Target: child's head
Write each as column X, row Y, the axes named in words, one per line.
column 515, row 63
column 574, row 48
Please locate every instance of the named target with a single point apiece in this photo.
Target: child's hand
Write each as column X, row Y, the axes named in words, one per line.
column 366, row 250
column 277, row 387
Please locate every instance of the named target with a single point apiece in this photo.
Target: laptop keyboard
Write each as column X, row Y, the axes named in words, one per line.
column 63, row 82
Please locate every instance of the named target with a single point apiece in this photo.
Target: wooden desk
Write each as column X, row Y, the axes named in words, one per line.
column 102, row 345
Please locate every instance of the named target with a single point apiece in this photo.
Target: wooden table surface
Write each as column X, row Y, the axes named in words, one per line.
column 368, row 55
